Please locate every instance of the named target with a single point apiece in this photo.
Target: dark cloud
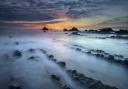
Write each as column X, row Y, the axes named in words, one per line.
column 47, row 9
column 19, row 13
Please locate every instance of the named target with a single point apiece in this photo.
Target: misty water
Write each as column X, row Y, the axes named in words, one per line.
column 35, row 74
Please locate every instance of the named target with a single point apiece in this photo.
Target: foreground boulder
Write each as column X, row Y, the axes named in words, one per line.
column 50, row 56
column 55, row 77
column 17, row 53
column 62, row 64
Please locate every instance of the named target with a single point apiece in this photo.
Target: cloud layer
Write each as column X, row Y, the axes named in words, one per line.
column 47, row 10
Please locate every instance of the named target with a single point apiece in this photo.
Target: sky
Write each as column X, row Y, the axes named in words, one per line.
column 60, row 14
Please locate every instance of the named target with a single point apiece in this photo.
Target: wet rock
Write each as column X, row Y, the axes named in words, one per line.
column 53, row 59
column 31, row 58
column 122, row 31
column 62, row 64
column 50, row 56
column 88, row 82
column 110, row 57
column 34, row 58
column 95, row 85
column 99, row 85
column 17, row 53
column 118, row 61
column 100, row 51
column 78, row 49
column 125, row 62
column 66, row 87
column 74, row 71
column 31, row 50
column 89, row 52
column 55, row 77
column 43, row 51
column 74, row 29
column 105, row 30
column 120, row 56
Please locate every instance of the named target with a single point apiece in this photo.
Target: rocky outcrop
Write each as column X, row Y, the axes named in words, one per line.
column 45, row 29
column 65, row 29
column 100, row 53
column 89, row 82
column 105, row 30
column 17, row 53
column 74, row 29
column 122, row 31
column 79, row 78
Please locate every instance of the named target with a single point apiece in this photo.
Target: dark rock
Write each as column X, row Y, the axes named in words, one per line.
column 89, row 52
column 88, row 82
column 125, row 62
column 62, row 64
column 76, row 77
column 78, row 49
column 118, row 61
column 120, row 56
column 32, row 57
column 65, row 30
column 122, row 31
column 17, row 53
column 110, row 57
column 99, row 85
column 53, row 59
column 105, row 30
column 100, row 51
column 43, row 51
column 66, row 87
column 74, row 29
column 96, row 85
column 45, row 29
column 74, row 71
column 50, row 56
column 91, row 31
column 55, row 77
column 31, row 50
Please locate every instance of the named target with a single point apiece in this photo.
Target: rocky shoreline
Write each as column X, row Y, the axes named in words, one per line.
column 119, row 59
column 79, row 78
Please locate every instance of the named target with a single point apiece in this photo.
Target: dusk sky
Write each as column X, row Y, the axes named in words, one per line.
column 59, row 14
